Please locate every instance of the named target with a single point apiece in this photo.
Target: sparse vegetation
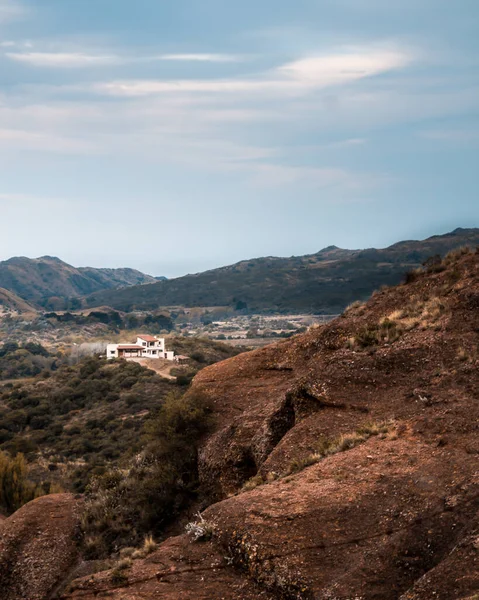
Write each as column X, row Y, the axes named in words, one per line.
column 325, row 447
column 200, row 530
column 387, row 331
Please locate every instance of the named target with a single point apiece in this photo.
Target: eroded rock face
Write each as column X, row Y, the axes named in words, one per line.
column 273, row 404
column 38, row 547
column 365, row 523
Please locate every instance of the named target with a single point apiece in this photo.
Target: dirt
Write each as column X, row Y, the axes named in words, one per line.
column 159, row 366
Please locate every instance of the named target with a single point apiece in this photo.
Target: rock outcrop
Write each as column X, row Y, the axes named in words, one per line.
column 38, row 546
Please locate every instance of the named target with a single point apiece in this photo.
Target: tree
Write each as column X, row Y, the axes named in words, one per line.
column 15, row 489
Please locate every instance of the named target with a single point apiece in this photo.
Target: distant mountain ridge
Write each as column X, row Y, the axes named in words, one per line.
column 324, row 282
column 37, row 279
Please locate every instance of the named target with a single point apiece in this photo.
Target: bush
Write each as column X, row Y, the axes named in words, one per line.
column 15, row 488
column 126, row 504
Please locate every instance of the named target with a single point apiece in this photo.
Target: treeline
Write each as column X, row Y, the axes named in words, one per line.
column 114, row 319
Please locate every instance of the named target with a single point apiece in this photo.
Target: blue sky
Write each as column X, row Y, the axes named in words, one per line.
column 179, row 135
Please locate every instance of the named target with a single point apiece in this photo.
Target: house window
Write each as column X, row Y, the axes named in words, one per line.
column 154, row 352
column 112, row 352
column 144, row 343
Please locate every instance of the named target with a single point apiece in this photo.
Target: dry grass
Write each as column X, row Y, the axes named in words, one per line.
column 424, row 314
column 329, row 447
column 149, row 545
column 354, row 306
column 253, row 482
column 454, row 255
column 124, row 563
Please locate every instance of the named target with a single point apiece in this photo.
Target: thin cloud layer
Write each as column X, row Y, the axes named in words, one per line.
column 299, row 76
column 62, row 59
column 81, row 60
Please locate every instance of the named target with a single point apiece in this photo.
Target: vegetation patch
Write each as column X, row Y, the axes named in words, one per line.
column 75, row 423
column 148, row 491
column 25, row 361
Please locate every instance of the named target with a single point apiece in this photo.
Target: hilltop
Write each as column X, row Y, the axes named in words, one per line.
column 39, row 279
column 340, row 464
column 325, row 282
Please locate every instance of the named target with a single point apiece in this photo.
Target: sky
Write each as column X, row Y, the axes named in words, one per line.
column 175, row 136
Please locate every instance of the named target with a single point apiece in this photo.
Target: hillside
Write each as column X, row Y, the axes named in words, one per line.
column 57, row 413
column 340, row 464
column 36, row 280
column 325, row 282
column 11, row 302
column 343, row 462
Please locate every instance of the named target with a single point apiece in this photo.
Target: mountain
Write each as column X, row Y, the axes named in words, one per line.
column 325, row 282
column 38, row 279
column 339, row 464
column 12, row 302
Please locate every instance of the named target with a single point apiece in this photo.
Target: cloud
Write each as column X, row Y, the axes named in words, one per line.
column 62, row 59
column 215, row 58
column 78, row 60
column 297, row 77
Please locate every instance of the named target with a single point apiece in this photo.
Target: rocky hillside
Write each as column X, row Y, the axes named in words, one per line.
column 36, row 280
column 325, row 282
column 343, row 463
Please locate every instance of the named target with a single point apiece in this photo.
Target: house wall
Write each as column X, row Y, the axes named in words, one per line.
column 159, row 344
column 112, row 351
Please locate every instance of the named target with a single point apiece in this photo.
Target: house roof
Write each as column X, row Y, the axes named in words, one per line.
column 147, row 338
column 130, row 347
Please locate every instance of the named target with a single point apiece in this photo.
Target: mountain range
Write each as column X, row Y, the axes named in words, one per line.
column 35, row 280
column 325, row 282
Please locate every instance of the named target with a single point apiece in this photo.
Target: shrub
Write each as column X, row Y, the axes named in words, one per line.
column 200, row 530
column 125, row 504
column 413, row 275
column 15, row 488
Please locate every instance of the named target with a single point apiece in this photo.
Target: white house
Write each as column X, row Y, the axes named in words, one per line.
column 146, row 346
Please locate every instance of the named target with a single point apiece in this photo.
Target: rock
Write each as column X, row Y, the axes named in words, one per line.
column 38, row 547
